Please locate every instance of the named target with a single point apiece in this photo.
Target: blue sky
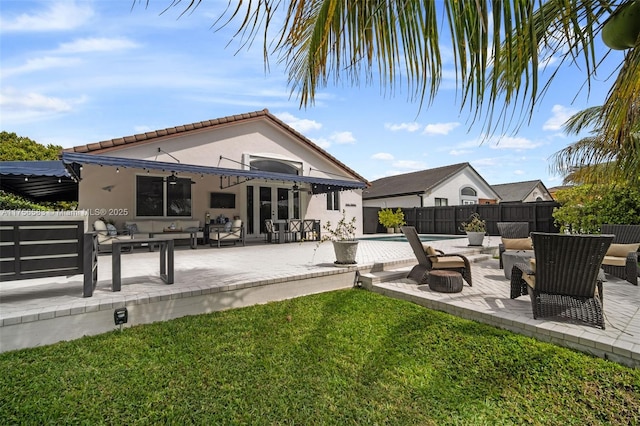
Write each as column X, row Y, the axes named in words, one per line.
column 78, row 72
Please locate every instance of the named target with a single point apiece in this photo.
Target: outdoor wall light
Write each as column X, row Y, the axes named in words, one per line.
column 172, row 180
column 120, row 316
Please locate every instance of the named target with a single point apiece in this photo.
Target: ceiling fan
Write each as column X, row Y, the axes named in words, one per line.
column 173, row 179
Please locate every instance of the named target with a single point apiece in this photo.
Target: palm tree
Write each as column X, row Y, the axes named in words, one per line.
column 593, row 159
column 498, row 48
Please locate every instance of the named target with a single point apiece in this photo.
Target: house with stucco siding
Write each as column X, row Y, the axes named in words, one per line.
column 452, row 185
column 249, row 166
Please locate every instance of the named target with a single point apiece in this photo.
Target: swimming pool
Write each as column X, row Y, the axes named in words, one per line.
column 401, row 237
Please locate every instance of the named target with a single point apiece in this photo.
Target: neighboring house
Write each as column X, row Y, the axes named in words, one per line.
column 250, row 166
column 523, row 192
column 452, row 185
column 555, row 189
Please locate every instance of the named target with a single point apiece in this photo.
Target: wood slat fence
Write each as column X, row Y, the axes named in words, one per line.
column 447, row 219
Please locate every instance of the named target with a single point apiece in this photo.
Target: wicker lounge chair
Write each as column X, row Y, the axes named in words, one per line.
column 566, row 283
column 514, row 236
column 434, row 260
column 622, row 257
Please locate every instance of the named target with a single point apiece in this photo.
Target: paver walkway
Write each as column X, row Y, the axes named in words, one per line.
column 257, row 267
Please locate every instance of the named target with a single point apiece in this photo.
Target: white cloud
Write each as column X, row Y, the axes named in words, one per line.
column 409, row 165
column 16, row 106
column 518, row 143
column 38, row 64
column 382, row 156
column 519, row 172
column 342, row 138
column 440, row 128
column 457, row 152
column 300, row 124
column 96, row 45
column 58, row 16
column 409, row 127
column 560, row 114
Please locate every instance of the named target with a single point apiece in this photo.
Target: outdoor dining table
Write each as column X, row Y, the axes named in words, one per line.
column 166, row 259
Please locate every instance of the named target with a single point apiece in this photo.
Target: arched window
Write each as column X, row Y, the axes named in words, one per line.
column 275, row 166
column 469, row 191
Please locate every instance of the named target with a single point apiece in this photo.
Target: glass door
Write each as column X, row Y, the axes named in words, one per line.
column 266, row 205
column 277, row 203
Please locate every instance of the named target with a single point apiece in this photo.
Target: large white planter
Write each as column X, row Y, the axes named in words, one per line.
column 475, row 238
column 345, row 252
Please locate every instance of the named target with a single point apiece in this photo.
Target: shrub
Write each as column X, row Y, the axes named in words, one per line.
column 585, row 208
column 390, row 219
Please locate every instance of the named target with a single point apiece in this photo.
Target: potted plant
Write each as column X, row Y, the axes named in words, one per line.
column 475, row 228
column 391, row 220
column 343, row 237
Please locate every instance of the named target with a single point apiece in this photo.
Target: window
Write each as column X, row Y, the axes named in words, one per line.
column 149, row 196
column 333, row 200
column 439, row 202
column 276, row 166
column 156, row 198
column 468, row 195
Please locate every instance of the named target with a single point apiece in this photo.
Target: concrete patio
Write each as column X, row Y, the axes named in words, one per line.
column 44, row 311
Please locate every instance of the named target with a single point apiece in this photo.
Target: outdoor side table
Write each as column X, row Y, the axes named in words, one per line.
column 166, row 259
column 512, row 257
column 444, row 281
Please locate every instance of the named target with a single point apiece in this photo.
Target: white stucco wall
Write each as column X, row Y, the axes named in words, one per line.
column 538, row 192
column 103, row 192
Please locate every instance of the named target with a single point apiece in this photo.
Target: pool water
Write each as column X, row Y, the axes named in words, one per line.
column 401, row 237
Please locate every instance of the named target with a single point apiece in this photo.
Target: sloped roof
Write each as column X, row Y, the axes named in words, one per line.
column 516, row 191
column 106, row 146
column 412, row 183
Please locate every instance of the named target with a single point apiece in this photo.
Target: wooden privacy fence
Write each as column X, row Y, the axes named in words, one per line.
column 447, row 219
column 39, row 249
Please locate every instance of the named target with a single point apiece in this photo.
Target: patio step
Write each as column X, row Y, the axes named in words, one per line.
column 369, row 279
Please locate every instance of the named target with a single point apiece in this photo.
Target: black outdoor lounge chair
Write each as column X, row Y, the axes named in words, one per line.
column 437, row 260
column 512, row 236
column 566, row 283
column 622, row 259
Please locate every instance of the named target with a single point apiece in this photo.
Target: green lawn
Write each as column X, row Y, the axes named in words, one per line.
column 345, row 357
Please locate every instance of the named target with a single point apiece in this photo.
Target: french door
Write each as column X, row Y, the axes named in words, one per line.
column 274, row 202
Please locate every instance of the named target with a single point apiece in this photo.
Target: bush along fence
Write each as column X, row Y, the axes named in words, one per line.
column 446, row 220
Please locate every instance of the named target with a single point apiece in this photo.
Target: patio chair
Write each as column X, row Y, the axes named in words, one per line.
column 622, row 257
column 310, row 230
column 565, row 281
column 271, row 233
column 233, row 232
column 514, row 236
column 107, row 234
column 430, row 259
column 294, row 229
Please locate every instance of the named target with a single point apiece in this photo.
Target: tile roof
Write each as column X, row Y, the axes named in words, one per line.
column 516, row 191
column 103, row 147
column 411, row 183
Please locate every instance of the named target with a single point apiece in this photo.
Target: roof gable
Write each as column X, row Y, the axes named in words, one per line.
column 412, row 183
column 516, row 191
column 106, row 146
